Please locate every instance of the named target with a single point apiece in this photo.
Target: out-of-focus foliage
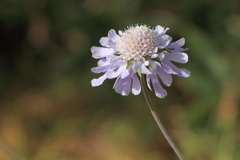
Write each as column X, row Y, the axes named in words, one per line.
column 49, row 111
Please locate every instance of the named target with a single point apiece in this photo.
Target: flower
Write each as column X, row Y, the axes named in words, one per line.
column 137, row 51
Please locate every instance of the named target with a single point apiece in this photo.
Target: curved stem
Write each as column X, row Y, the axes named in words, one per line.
column 159, row 123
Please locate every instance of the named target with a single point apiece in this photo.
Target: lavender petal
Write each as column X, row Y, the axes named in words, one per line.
column 100, row 52
column 178, row 57
column 114, row 74
column 97, row 82
column 125, row 72
column 165, row 77
column 178, row 44
column 168, row 67
column 136, row 87
column 100, row 69
column 106, row 42
column 172, row 69
column 136, row 66
column 103, row 62
column 113, row 35
column 148, row 81
column 160, row 30
column 159, row 91
column 122, row 86
column 144, row 69
column 183, row 72
column 164, row 41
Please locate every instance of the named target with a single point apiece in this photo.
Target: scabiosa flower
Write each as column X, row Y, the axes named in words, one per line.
column 137, row 51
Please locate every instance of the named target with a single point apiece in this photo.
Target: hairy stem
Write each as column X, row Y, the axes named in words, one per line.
column 159, row 123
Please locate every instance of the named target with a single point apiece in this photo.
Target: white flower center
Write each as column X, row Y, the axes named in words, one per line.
column 137, row 42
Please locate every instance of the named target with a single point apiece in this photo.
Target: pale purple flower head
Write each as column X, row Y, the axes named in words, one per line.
column 137, row 51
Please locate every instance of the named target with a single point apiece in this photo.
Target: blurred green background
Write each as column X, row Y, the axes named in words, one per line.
column 49, row 111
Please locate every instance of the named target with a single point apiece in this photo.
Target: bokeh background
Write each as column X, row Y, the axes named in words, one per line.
column 49, row 111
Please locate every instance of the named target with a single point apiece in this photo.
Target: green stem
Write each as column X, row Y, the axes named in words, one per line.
column 159, row 123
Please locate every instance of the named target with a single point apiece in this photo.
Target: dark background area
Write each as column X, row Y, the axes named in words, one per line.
column 49, row 111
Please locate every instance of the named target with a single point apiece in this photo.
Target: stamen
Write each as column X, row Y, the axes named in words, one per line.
column 137, row 42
